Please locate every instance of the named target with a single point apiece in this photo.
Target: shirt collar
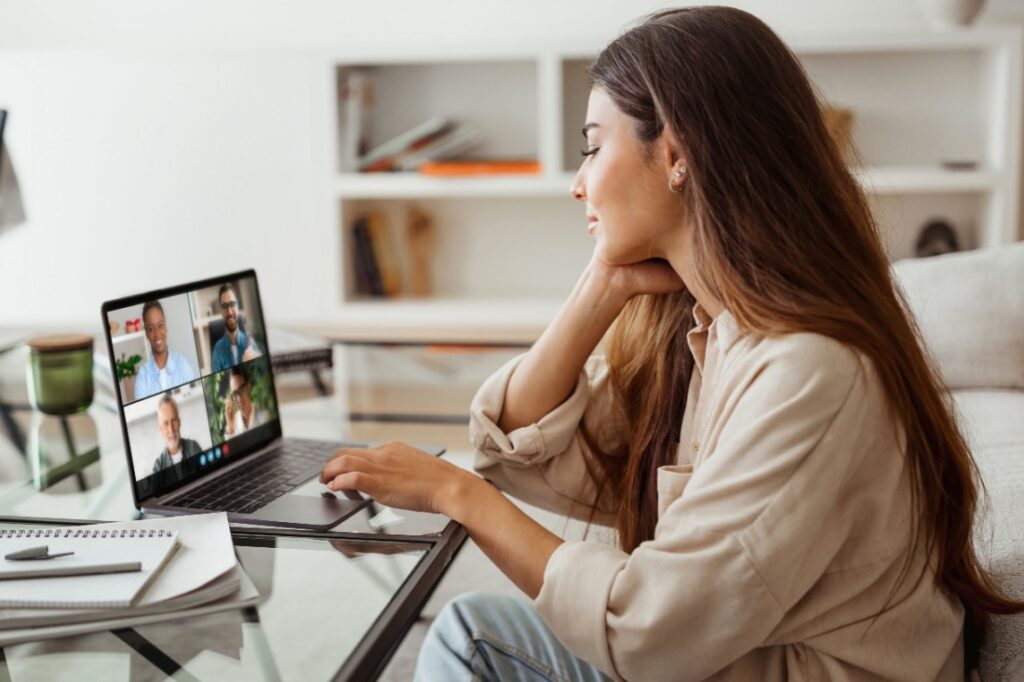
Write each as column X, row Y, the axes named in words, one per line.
column 152, row 361
column 701, row 317
column 725, row 329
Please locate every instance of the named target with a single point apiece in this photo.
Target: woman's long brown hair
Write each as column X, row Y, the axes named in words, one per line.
column 785, row 239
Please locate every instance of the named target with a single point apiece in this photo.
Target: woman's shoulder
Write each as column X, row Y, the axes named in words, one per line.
column 799, row 361
column 808, row 348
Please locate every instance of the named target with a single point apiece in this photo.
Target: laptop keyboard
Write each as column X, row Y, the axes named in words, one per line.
column 249, row 488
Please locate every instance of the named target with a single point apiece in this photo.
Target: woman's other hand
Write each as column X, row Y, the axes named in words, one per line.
column 653, row 276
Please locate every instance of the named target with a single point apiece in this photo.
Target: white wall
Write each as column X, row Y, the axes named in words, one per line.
column 157, row 142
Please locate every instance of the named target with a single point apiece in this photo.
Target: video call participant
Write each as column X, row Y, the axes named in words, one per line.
column 235, row 346
column 240, row 414
column 164, row 369
column 176, row 449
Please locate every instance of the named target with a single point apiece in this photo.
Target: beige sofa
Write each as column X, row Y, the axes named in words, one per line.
column 970, row 308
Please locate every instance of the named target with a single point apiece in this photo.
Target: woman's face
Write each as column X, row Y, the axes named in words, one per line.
column 631, row 211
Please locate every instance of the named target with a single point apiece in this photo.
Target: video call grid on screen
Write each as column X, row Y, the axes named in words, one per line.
column 214, row 396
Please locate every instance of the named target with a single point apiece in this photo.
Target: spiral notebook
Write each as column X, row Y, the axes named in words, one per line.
column 152, row 548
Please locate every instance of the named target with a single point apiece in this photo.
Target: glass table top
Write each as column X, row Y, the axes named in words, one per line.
column 316, row 596
column 323, row 596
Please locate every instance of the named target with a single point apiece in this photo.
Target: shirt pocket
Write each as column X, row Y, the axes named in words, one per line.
column 672, row 480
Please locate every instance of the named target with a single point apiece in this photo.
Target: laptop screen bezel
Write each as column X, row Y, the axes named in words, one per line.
column 272, row 428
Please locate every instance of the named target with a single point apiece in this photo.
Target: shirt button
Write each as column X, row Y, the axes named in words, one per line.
column 695, row 446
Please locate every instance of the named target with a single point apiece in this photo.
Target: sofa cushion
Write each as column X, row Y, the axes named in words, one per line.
column 993, row 425
column 970, row 308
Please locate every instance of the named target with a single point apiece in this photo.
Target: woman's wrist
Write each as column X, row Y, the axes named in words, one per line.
column 516, row 543
column 604, row 289
column 465, row 491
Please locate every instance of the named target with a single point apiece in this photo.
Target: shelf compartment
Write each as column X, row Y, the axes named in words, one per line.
column 490, row 248
column 901, row 217
column 407, row 94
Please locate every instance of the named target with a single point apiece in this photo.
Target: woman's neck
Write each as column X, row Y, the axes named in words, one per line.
column 681, row 260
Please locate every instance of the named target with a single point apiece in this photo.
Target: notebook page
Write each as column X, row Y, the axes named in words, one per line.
column 90, row 547
column 205, row 552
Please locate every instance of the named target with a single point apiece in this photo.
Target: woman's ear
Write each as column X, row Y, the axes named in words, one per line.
column 671, row 151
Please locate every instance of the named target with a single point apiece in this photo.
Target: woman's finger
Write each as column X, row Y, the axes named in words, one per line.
column 342, row 463
column 352, row 480
column 357, row 452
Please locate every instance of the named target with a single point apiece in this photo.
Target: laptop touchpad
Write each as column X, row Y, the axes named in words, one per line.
column 314, row 488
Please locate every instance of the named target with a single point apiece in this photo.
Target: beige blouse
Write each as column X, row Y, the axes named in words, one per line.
column 782, row 527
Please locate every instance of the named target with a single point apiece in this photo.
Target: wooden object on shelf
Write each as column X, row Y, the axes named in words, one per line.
column 356, row 103
column 839, row 123
column 421, row 237
column 384, row 254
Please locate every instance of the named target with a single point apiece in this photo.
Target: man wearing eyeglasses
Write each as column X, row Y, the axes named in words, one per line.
column 235, row 346
column 240, row 414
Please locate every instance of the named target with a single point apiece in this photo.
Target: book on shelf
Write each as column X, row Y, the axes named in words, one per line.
column 434, row 140
column 459, row 139
column 356, row 101
column 374, row 257
column 461, row 168
column 384, row 156
column 368, row 279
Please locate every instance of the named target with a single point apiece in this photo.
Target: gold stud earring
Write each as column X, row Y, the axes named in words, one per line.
column 677, row 175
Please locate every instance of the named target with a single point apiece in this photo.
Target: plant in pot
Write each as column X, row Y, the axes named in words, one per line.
column 126, row 369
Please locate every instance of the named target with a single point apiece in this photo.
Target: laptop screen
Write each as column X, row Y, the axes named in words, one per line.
column 194, row 380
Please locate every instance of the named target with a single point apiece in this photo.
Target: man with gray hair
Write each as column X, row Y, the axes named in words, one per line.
column 176, row 448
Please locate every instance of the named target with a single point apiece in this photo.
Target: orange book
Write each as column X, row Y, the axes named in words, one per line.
column 453, row 168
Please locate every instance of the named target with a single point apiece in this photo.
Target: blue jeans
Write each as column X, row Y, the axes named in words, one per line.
column 480, row 636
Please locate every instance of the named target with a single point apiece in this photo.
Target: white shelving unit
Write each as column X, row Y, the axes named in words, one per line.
column 510, row 248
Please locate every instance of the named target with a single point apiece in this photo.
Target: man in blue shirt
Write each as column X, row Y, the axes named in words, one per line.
column 163, row 369
column 235, row 346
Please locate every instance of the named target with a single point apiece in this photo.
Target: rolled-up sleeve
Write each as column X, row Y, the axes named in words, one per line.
column 754, row 529
column 545, row 463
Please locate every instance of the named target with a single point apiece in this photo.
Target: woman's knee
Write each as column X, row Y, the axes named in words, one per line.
column 451, row 639
column 472, row 612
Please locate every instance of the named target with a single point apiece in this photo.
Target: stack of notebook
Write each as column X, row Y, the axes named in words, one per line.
column 117, row 575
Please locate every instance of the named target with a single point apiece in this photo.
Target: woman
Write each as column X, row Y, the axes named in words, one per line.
column 792, row 497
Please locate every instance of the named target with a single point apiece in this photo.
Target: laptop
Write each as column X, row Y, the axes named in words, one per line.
column 199, row 410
